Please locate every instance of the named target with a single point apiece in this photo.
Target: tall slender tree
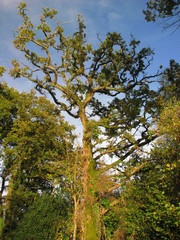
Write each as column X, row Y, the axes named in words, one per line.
column 107, row 89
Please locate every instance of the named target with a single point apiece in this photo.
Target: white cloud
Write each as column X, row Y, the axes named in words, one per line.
column 104, row 3
column 113, row 17
column 9, row 4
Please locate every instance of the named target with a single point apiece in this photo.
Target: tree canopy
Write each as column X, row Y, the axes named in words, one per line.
column 168, row 10
column 35, row 140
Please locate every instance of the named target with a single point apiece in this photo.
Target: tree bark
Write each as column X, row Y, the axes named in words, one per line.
column 1, row 195
column 89, row 221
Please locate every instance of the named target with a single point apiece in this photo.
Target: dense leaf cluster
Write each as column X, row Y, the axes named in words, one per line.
column 165, row 9
column 35, row 140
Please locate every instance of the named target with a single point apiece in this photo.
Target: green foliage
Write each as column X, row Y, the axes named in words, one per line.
column 148, row 207
column 111, row 221
column 150, row 203
column 169, row 122
column 36, row 144
column 47, row 218
column 167, row 150
column 170, row 83
column 105, row 202
column 17, row 204
column 1, row 224
column 165, row 9
column 149, row 214
column 35, row 141
column 8, row 109
column 2, row 70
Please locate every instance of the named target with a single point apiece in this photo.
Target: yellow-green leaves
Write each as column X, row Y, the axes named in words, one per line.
column 169, row 122
column 22, row 8
column 49, row 13
column 36, row 142
column 15, row 70
column 2, row 70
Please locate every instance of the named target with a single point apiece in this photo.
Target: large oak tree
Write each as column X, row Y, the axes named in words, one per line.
column 108, row 89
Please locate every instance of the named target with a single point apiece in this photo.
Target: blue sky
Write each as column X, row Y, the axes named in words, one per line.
column 101, row 16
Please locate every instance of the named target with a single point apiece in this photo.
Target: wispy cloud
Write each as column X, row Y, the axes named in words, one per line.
column 113, row 17
column 104, row 3
column 8, row 5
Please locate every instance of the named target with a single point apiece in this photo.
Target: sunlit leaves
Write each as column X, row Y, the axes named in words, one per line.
column 49, row 13
column 39, row 131
column 2, row 70
column 35, row 141
column 169, row 122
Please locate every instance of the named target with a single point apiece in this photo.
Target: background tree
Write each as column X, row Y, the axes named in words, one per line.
column 49, row 217
column 170, row 82
column 149, row 204
column 168, row 10
column 2, row 70
column 114, row 127
column 8, row 111
column 156, row 188
column 34, row 145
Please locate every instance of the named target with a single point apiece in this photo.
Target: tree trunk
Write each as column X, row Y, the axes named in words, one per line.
column 91, row 208
column 90, row 222
column 1, row 196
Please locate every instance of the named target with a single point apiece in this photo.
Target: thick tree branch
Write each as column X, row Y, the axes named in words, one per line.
column 140, row 144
